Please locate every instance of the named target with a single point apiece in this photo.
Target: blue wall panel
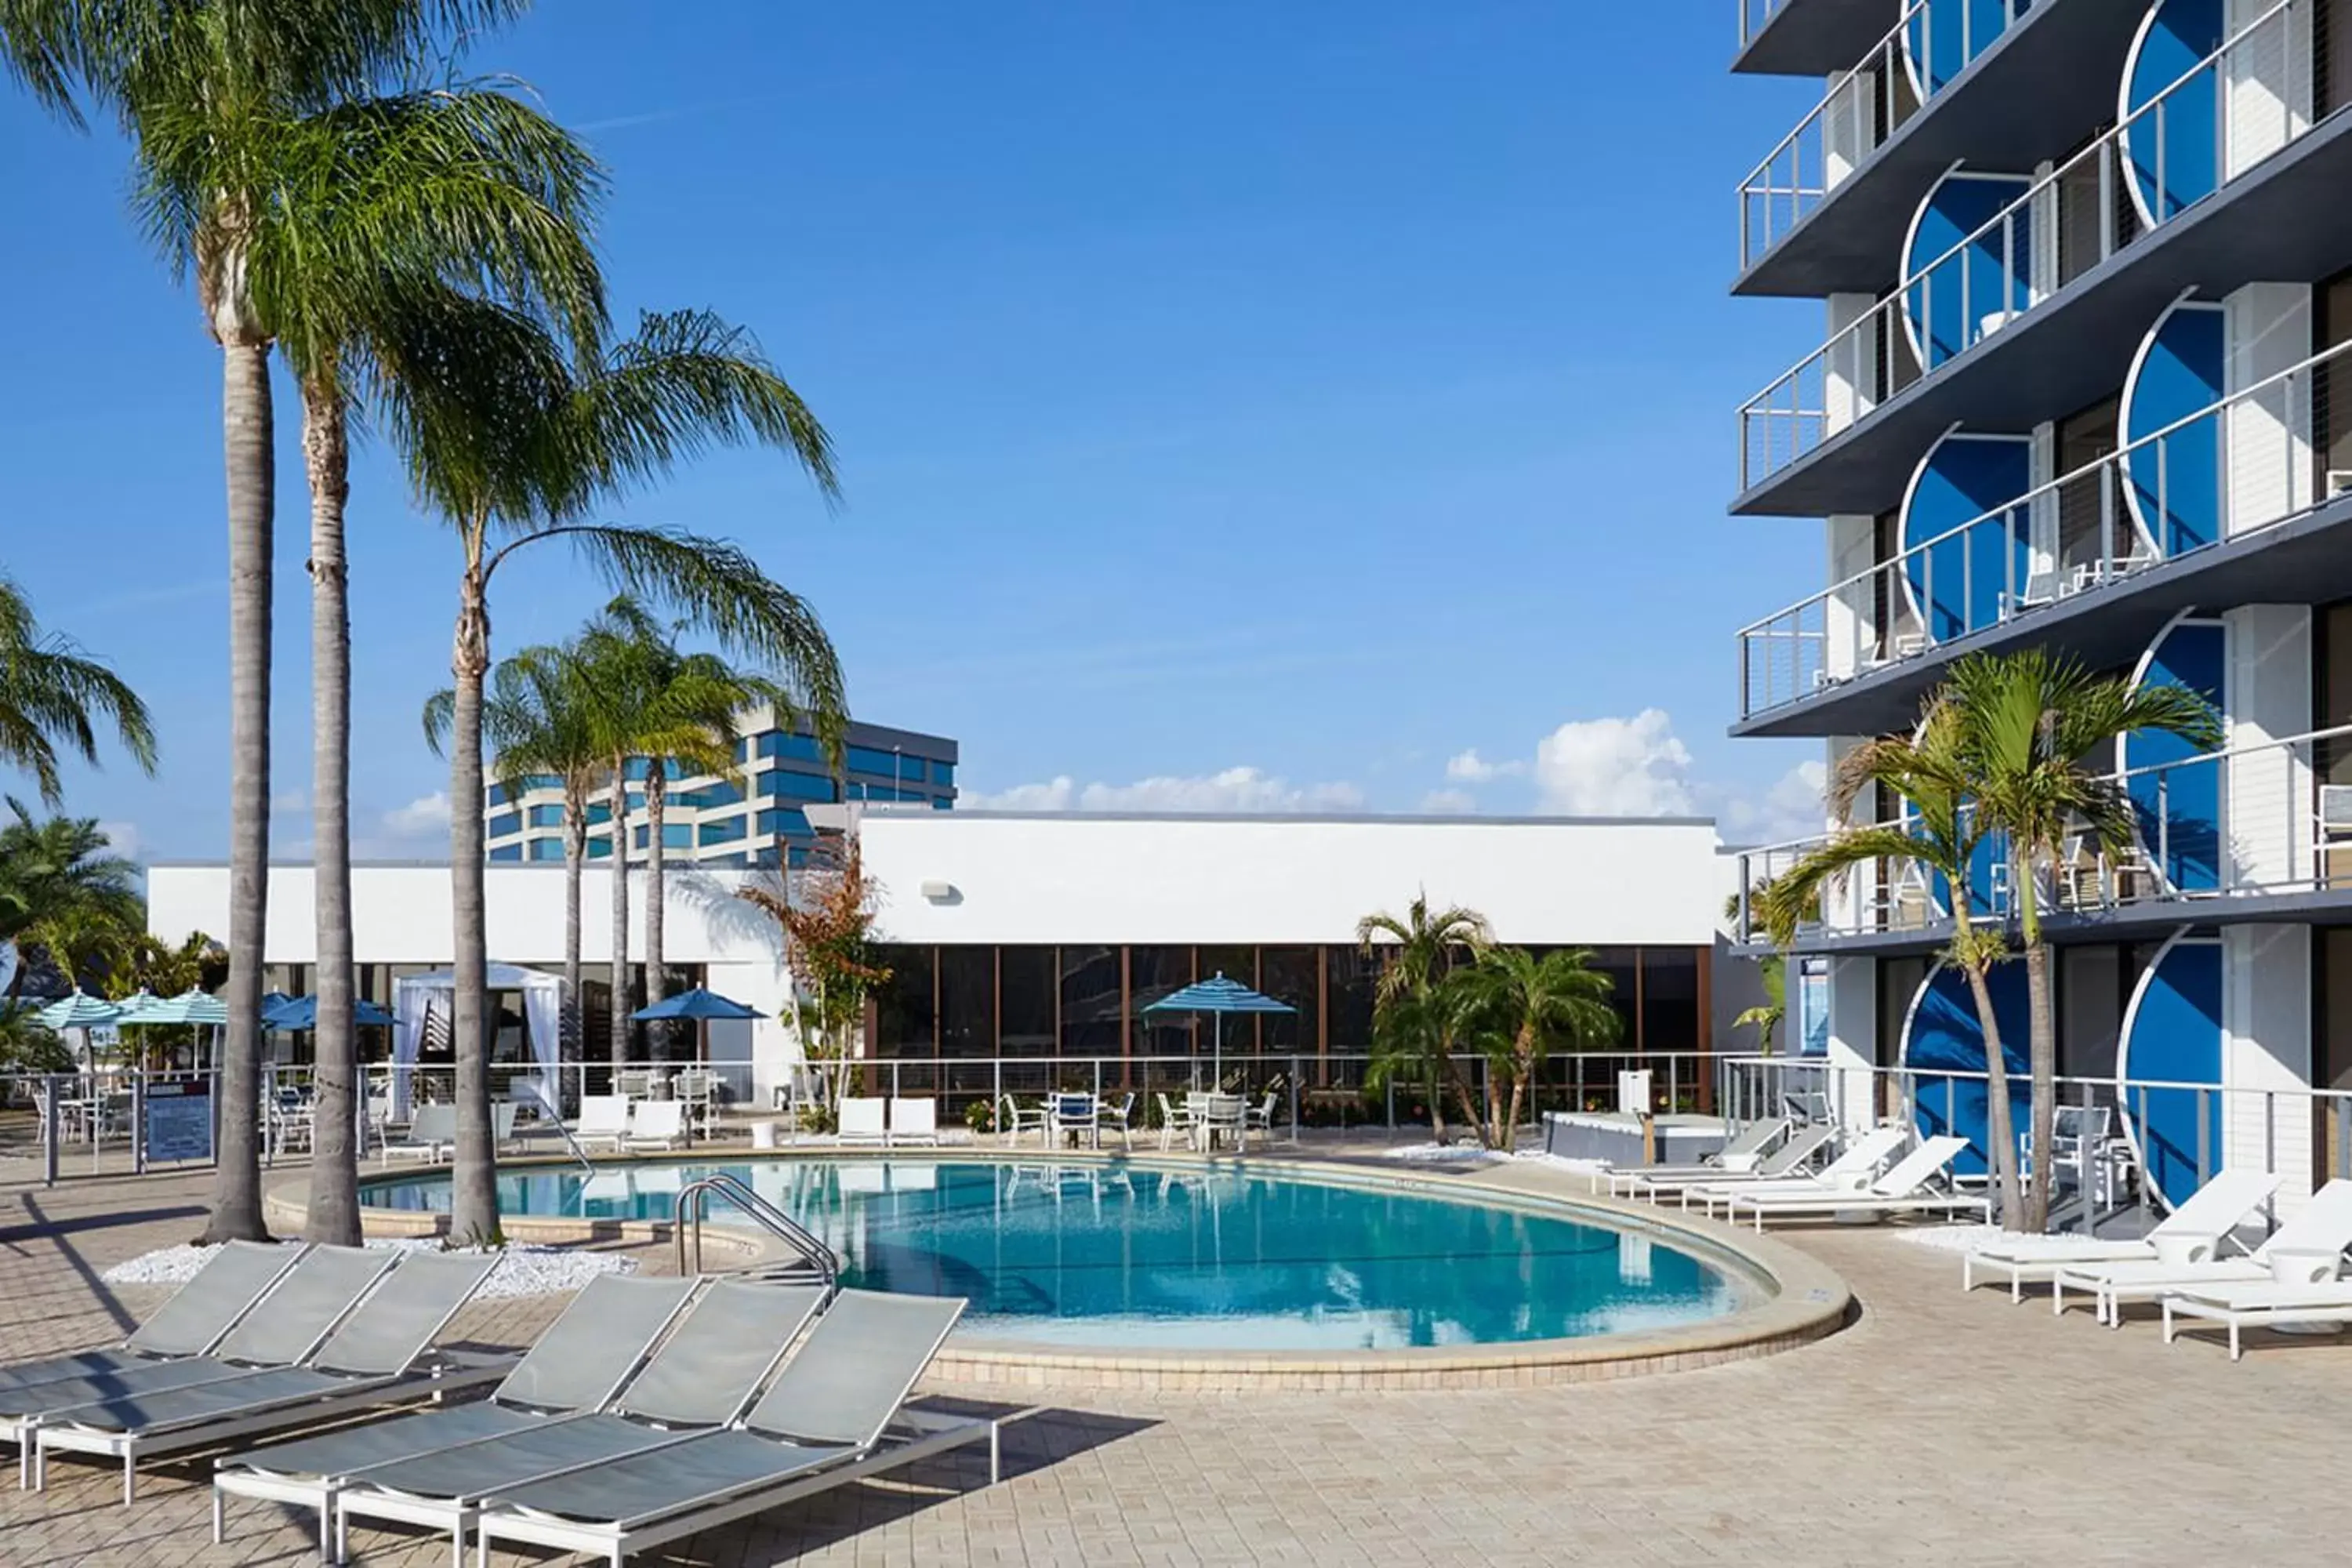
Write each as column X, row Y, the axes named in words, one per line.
column 2174, row 1035
column 2174, row 148
column 1944, row 1038
column 1944, row 35
column 1957, row 585
column 2180, row 810
column 2174, row 483
column 1946, row 308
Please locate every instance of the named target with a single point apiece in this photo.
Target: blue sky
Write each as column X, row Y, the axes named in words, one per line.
column 1237, row 405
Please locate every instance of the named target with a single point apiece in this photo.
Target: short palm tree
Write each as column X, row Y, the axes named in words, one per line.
column 515, row 442
column 53, row 694
column 2025, row 725
column 1523, row 1007
column 1415, row 1025
column 536, row 717
column 61, row 888
column 211, row 94
column 1939, row 833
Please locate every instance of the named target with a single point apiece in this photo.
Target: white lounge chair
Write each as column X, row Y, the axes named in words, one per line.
column 914, row 1120
column 199, row 1315
column 2194, row 1230
column 656, row 1124
column 432, row 1131
column 2258, row 1304
column 1850, row 1172
column 863, row 1119
column 603, row 1122
column 1905, row 1188
column 2308, row 1248
column 1744, row 1155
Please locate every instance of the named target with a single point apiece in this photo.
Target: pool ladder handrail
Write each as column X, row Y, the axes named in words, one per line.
column 685, row 1226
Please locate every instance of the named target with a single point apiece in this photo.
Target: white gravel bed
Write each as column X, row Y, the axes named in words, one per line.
column 1947, row 1238
column 522, row 1271
column 1440, row 1154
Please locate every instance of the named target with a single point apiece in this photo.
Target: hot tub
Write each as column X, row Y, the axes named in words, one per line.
column 1616, row 1137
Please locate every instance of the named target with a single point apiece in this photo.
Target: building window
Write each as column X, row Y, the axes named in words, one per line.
column 942, row 802
column 545, row 816
column 1024, row 1000
column 1153, row 972
column 1289, row 974
column 797, row 858
column 496, row 794
column 506, row 852
column 967, row 1001
column 905, row 1023
column 790, row 823
column 599, row 814
column 943, row 773
column 1670, row 999
column 784, row 784
column 724, row 831
column 867, row 760
column 600, row 848
column 1353, row 973
column 545, row 849
column 794, row 748
column 502, row 826
column 1090, row 1002
column 674, row 835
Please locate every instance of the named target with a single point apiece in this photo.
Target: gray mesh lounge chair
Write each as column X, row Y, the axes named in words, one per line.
column 1742, row 1153
column 1805, row 1144
column 576, row 1365
column 287, row 1325
column 835, row 1415
column 432, row 1128
column 372, row 1359
column 703, row 1377
column 197, row 1317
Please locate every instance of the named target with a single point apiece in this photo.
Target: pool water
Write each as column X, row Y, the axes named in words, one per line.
column 1132, row 1255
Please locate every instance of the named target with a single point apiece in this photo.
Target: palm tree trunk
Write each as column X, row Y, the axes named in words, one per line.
column 656, row 985
column 474, row 1180
column 248, row 449
column 575, row 855
column 1999, row 1132
column 2044, row 1065
column 335, row 1209
column 620, row 1002
column 1522, row 1069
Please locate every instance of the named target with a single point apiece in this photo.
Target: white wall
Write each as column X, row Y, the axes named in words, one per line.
column 2267, row 792
column 2266, row 1045
column 1111, row 879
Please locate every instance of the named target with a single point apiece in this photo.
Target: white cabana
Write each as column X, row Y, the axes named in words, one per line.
column 419, row 996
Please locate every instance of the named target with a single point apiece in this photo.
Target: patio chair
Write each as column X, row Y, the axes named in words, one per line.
column 1072, row 1115
column 432, row 1131
column 699, row 1088
column 863, row 1119
column 1850, row 1172
column 576, row 1366
column 503, row 1114
column 603, row 1122
column 372, row 1360
column 914, row 1120
column 836, row 1414
column 2257, row 1304
column 632, row 1083
column 1115, row 1116
column 1743, row 1155
column 197, row 1317
column 1259, row 1117
column 704, row 1375
column 655, row 1124
column 1907, row 1187
column 2191, row 1232
column 1175, row 1122
column 1222, row 1113
column 1015, row 1119
column 2305, row 1249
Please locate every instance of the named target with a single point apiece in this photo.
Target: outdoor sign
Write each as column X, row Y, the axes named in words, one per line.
column 1813, row 1008
column 179, row 1120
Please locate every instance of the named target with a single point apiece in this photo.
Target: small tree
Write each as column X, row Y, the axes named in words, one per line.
column 1516, row 1007
column 829, row 947
column 1417, row 1026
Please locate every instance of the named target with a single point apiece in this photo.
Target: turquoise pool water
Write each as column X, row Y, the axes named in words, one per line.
column 1137, row 1256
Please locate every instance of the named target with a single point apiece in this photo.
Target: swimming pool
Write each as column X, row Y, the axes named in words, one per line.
column 1136, row 1256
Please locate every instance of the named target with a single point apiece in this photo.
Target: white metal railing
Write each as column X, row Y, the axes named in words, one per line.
column 1863, row 107
column 2081, row 532
column 1755, row 15
column 2025, row 252
column 2265, row 818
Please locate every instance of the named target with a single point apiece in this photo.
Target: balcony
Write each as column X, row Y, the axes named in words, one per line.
column 1807, row 37
column 2217, row 483
column 2251, row 833
column 1999, row 86
column 2055, row 285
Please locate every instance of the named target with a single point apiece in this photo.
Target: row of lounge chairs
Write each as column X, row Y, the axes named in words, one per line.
column 1877, row 1174
column 651, row 1409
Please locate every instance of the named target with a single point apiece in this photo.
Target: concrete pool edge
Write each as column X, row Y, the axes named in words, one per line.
column 1800, row 1298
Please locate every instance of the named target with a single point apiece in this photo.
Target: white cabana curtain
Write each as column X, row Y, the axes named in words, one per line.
column 415, row 997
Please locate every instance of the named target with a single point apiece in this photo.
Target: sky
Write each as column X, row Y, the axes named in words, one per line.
column 1239, row 406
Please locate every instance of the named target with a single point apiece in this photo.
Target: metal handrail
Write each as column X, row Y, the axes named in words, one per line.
column 687, row 1218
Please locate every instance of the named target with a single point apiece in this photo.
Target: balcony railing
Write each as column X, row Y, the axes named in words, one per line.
column 1755, row 15
column 2270, row 819
column 1861, row 109
column 2078, row 533
column 2098, row 202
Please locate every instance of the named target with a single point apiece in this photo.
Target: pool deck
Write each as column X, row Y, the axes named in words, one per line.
column 1938, row 1429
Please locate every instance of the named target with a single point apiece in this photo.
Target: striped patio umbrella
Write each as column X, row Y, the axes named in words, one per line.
column 1217, row 997
column 79, row 1011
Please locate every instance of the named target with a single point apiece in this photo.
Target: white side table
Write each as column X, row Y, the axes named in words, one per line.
column 764, row 1135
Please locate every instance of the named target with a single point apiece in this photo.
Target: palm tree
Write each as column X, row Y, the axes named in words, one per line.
column 210, row 94
column 53, row 694
column 536, row 717
column 1939, row 831
column 515, row 443
column 2026, row 723
column 1521, row 1005
column 1414, row 1027
column 61, row 891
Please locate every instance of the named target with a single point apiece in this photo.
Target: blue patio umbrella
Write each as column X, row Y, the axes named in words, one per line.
column 300, row 1014
column 1217, row 997
column 697, row 1004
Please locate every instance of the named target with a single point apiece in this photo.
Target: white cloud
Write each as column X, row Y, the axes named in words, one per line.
column 1449, row 803
column 1794, row 807
column 1469, row 767
column 1615, row 767
column 1236, row 789
column 122, row 838
column 287, row 802
column 426, row 815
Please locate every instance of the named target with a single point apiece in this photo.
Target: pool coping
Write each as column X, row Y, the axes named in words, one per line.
column 1800, row 1300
